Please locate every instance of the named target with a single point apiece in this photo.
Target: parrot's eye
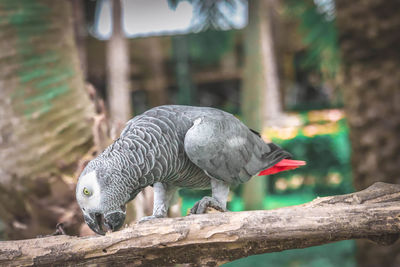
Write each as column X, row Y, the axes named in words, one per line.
column 86, row 192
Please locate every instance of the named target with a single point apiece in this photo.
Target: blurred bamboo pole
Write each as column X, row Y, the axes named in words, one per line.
column 118, row 72
column 261, row 104
column 119, row 96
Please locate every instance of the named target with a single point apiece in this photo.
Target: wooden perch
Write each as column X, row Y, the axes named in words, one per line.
column 216, row 238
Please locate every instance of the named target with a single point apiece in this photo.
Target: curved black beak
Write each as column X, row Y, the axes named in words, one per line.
column 95, row 222
column 100, row 223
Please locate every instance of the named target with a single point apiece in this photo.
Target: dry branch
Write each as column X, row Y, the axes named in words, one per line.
column 216, row 238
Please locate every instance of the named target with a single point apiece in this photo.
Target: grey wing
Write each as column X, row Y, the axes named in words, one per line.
column 227, row 150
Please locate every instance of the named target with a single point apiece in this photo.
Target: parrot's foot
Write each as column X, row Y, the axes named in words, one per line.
column 201, row 206
column 149, row 218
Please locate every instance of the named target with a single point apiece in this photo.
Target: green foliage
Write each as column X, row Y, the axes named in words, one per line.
column 210, row 14
column 207, row 48
column 330, row 255
column 328, row 170
column 186, row 89
column 174, row 3
column 317, row 27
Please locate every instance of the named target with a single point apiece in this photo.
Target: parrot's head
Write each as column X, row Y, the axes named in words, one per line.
column 102, row 198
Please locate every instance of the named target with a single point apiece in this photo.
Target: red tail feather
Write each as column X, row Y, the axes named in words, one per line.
column 283, row 165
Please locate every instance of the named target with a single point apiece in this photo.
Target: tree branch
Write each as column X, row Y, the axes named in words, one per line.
column 212, row 239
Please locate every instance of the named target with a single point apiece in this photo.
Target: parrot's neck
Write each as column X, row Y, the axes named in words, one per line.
column 134, row 161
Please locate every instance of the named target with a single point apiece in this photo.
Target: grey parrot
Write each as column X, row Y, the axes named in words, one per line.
column 171, row 147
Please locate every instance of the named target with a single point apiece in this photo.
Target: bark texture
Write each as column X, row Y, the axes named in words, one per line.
column 216, row 238
column 369, row 42
column 44, row 110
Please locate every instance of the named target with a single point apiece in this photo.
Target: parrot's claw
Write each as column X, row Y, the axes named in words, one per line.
column 149, row 218
column 201, row 206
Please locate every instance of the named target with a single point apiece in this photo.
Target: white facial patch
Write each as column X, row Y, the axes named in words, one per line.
column 236, row 141
column 90, row 182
